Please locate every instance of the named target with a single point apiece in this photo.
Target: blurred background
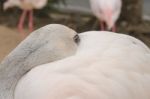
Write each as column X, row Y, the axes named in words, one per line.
column 77, row 14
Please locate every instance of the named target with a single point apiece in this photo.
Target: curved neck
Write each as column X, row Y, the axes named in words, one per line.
column 11, row 70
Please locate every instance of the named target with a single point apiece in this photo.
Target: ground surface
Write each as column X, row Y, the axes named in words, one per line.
column 9, row 39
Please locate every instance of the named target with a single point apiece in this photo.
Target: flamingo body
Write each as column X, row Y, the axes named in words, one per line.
column 107, row 11
column 117, row 68
column 25, row 4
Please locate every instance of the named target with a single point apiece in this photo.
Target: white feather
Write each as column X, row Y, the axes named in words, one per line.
column 106, row 66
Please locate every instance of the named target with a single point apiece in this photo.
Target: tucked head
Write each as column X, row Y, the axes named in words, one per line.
column 111, row 12
column 47, row 44
column 52, row 42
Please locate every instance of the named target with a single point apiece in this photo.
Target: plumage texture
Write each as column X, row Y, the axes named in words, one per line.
column 47, row 44
column 103, row 8
column 106, row 66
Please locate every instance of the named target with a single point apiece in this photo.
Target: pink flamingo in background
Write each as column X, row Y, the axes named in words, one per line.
column 107, row 11
column 27, row 6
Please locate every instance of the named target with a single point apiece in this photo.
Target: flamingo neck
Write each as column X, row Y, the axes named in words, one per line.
column 11, row 70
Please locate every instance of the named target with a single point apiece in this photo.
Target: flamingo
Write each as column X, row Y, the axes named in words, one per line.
column 27, row 6
column 50, row 43
column 118, row 67
column 107, row 11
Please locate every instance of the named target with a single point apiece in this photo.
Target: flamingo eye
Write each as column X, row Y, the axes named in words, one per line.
column 76, row 38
